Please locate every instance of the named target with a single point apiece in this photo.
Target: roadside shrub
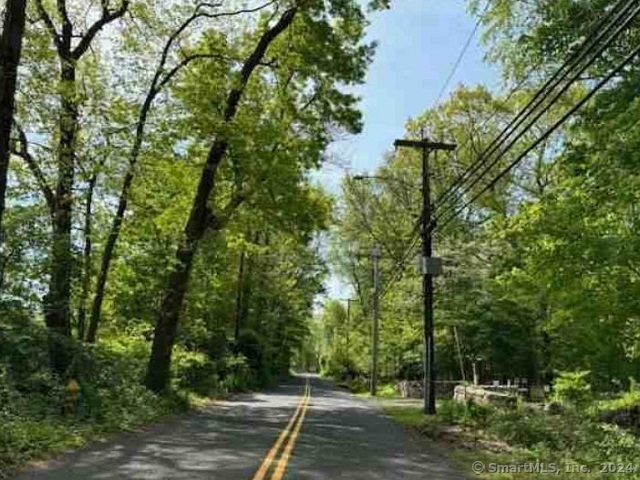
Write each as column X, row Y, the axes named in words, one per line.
column 526, row 429
column 238, row 376
column 342, row 367
column 194, row 371
column 573, row 389
column 469, row 413
column 626, row 401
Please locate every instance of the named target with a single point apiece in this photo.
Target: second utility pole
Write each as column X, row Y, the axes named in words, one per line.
column 375, row 340
column 429, row 267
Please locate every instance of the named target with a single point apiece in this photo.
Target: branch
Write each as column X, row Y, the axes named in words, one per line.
column 198, row 13
column 254, row 60
column 232, row 205
column 107, row 17
column 35, row 168
column 62, row 11
column 185, row 61
column 48, row 23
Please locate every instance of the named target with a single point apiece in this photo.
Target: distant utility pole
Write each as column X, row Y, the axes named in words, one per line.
column 375, row 260
column 430, row 266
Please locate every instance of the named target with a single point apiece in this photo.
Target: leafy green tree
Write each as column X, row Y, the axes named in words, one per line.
column 300, row 117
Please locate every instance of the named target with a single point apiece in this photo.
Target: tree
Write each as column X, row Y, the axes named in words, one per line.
column 162, row 77
column 313, row 112
column 10, row 49
column 61, row 198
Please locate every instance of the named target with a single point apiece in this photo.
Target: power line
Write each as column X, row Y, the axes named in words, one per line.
column 482, row 162
column 547, row 133
column 462, row 54
column 537, row 100
column 542, row 94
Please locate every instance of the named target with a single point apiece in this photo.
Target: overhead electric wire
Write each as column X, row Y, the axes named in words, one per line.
column 462, row 54
column 540, row 96
column 531, row 122
column 400, row 268
column 534, row 103
column 547, row 133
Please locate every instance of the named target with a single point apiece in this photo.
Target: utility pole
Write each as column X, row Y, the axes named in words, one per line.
column 430, row 266
column 375, row 260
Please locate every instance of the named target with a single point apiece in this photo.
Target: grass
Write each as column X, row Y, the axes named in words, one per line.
column 524, row 436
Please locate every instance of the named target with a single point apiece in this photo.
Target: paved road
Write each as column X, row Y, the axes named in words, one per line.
column 332, row 436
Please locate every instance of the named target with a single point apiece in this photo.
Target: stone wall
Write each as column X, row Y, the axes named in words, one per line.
column 413, row 389
column 483, row 396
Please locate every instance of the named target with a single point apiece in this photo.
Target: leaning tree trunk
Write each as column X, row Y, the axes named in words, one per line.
column 10, row 48
column 201, row 219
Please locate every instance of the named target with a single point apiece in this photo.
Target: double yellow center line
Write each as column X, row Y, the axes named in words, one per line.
column 290, row 432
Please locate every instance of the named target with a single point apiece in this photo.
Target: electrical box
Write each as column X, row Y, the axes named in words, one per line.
column 431, row 266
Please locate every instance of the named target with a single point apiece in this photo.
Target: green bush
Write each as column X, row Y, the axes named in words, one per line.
column 34, row 414
column 195, row 372
column 469, row 413
column 626, row 401
column 572, row 388
column 239, row 376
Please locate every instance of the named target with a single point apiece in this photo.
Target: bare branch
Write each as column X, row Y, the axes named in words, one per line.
column 186, row 61
column 48, row 23
column 107, row 17
column 34, row 167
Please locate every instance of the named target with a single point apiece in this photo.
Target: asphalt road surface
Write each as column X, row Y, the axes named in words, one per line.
column 305, row 429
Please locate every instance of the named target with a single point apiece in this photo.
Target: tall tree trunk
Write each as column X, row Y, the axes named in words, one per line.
column 58, row 299
column 57, row 302
column 168, row 316
column 87, row 254
column 201, row 218
column 10, row 48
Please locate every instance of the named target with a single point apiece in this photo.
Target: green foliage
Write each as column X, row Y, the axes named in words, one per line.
column 521, row 435
column 35, row 413
column 625, row 401
column 573, row 388
column 469, row 413
column 342, row 367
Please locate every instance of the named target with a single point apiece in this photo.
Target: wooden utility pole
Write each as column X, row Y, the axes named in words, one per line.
column 375, row 260
column 430, row 266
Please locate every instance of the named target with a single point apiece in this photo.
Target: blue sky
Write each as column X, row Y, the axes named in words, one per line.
column 418, row 44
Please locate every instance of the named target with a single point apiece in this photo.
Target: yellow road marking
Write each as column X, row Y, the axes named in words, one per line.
column 284, row 459
column 268, row 460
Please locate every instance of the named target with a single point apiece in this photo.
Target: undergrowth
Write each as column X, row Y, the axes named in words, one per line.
column 38, row 417
column 524, row 436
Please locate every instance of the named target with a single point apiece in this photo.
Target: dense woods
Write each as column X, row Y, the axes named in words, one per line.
column 159, row 226
column 541, row 272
